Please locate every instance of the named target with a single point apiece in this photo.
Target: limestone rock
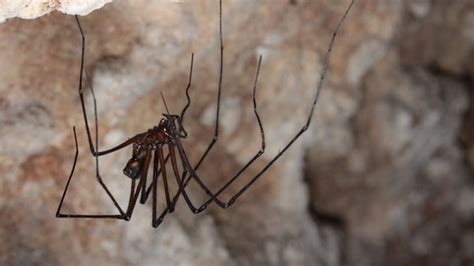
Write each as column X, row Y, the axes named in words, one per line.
column 32, row 9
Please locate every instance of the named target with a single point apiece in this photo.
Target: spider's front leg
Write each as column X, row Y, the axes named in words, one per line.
column 278, row 155
column 188, row 169
column 303, row 129
column 192, row 171
column 219, row 90
column 182, row 182
column 214, row 138
column 146, row 191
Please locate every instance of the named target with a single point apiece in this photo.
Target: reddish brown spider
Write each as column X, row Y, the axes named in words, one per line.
column 169, row 133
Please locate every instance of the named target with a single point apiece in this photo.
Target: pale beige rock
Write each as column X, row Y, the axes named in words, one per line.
column 29, row 9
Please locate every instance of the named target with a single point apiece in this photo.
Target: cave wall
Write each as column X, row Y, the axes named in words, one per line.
column 384, row 176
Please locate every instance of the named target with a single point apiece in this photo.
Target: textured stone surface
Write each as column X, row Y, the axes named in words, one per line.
column 384, row 176
column 30, row 9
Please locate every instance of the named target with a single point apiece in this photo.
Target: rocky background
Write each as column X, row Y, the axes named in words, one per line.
column 384, row 176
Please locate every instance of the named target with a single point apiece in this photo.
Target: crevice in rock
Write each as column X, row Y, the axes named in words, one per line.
column 466, row 133
column 324, row 221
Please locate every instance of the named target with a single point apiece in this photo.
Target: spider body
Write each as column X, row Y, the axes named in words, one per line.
column 151, row 140
column 148, row 150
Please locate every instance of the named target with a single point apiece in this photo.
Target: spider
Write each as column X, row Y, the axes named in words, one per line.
column 168, row 133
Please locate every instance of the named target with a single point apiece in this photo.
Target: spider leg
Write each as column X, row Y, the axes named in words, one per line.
column 132, row 192
column 97, row 154
column 81, row 95
column 187, row 90
column 216, row 132
column 154, row 184
column 146, row 193
column 180, row 180
column 219, row 89
column 63, row 215
column 186, row 164
column 169, row 209
column 143, row 195
column 141, row 184
column 279, row 154
column 160, row 158
column 250, row 162
column 156, row 221
column 91, row 145
column 159, row 220
column 216, row 129
column 176, row 196
column 305, row 126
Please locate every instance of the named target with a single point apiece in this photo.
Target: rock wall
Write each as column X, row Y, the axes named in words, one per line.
column 383, row 177
column 30, row 9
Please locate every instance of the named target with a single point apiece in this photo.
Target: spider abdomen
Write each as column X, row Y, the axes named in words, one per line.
column 134, row 166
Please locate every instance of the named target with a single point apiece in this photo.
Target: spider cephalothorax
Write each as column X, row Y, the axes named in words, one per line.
column 148, row 149
column 153, row 139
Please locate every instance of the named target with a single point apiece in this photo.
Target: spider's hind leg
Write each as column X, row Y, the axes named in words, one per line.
column 64, row 215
